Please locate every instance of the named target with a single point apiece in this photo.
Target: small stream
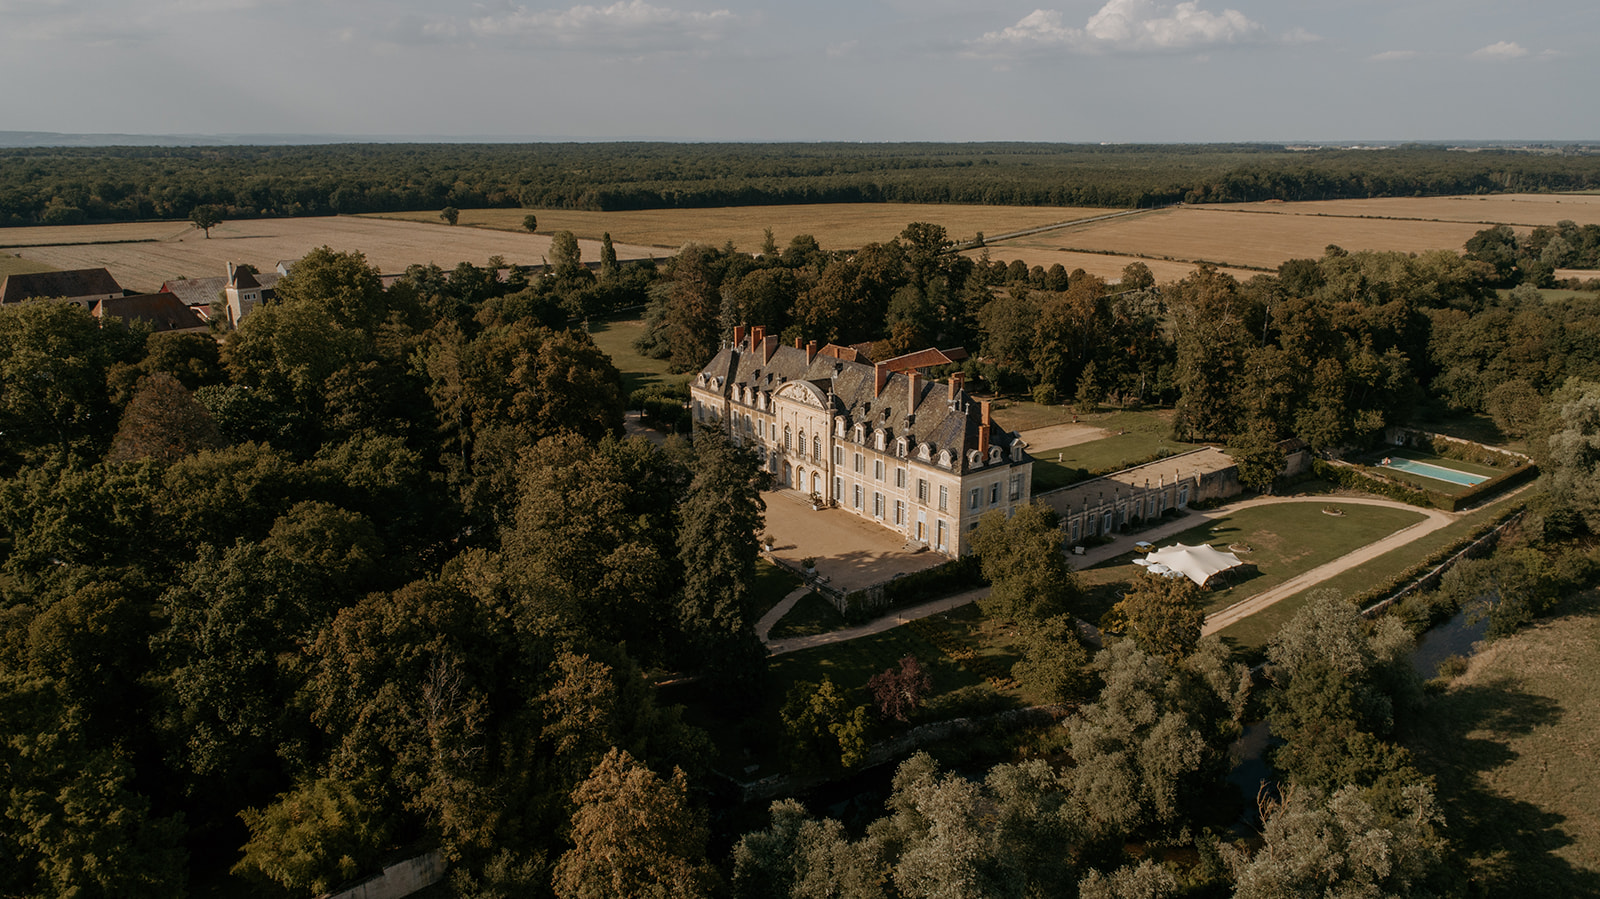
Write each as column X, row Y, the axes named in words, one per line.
column 1455, row 637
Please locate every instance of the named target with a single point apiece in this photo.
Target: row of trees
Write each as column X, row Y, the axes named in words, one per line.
column 74, row 185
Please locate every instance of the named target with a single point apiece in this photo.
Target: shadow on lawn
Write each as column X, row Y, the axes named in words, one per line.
column 1501, row 846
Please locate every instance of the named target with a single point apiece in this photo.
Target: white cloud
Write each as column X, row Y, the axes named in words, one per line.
column 1501, row 50
column 1128, row 26
column 1394, row 56
column 627, row 25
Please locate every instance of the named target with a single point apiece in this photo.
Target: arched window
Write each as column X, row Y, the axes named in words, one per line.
column 788, row 439
column 802, row 443
column 878, row 440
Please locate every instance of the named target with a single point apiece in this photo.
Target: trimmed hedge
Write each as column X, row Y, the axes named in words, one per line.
column 1488, row 488
column 1380, row 592
column 1354, row 477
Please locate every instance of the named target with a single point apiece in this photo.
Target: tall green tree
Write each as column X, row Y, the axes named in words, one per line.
column 205, row 217
column 1021, row 556
column 718, row 522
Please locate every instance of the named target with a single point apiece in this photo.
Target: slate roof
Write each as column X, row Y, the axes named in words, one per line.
column 164, row 311
column 205, row 291
column 74, row 285
column 933, row 419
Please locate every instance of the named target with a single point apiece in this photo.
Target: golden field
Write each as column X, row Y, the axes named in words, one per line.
column 141, row 256
column 1522, row 211
column 835, row 225
column 1231, row 236
column 1242, row 239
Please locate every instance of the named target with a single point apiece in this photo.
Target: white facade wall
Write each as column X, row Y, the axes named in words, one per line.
column 920, row 499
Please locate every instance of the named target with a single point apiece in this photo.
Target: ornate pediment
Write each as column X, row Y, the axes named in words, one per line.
column 804, row 392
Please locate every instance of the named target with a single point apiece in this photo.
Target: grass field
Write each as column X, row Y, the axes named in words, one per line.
column 1515, row 751
column 835, row 226
column 1258, row 629
column 615, row 338
column 1112, row 453
column 811, row 615
column 1285, row 541
column 141, row 256
column 771, row 585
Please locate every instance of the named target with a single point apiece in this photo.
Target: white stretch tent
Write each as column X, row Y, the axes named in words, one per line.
column 1197, row 563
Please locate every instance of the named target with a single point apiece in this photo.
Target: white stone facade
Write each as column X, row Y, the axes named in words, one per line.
column 910, row 454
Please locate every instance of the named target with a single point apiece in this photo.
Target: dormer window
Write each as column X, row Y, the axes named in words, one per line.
column 925, row 451
column 994, row 454
column 861, row 434
column 944, row 459
column 879, row 439
column 900, row 447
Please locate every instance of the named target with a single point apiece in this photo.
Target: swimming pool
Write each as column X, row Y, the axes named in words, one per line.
column 1437, row 472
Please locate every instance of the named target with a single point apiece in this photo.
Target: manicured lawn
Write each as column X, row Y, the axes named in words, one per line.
column 811, row 615
column 615, row 339
column 1285, row 541
column 771, row 585
column 1108, row 454
column 1513, row 749
column 1260, row 628
column 1024, row 415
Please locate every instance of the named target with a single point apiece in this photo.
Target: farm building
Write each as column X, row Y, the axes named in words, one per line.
column 82, row 286
column 898, row 449
column 162, row 311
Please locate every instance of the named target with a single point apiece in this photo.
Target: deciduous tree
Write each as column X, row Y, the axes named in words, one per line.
column 1021, row 556
column 634, row 834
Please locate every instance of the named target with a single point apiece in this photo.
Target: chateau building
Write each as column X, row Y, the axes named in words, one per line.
column 894, row 447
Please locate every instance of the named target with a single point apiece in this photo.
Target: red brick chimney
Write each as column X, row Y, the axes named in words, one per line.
column 983, row 429
column 797, row 343
column 768, row 347
column 957, row 381
column 738, row 335
column 757, row 333
column 914, row 380
column 880, row 378
column 811, row 351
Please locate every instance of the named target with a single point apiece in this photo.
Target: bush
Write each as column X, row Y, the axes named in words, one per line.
column 1045, row 395
column 958, row 574
column 662, row 407
column 1353, row 477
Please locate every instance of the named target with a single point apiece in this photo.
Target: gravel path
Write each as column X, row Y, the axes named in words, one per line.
column 1214, row 622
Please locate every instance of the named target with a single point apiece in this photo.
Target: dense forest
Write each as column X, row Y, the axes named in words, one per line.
column 376, row 573
column 61, row 186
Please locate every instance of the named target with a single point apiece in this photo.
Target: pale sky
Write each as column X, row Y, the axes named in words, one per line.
column 871, row 70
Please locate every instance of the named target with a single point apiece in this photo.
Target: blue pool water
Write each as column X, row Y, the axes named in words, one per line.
column 1437, row 472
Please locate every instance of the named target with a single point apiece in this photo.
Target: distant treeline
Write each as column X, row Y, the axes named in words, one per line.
column 77, row 185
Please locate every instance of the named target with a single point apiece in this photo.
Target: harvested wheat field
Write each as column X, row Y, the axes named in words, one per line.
column 1519, row 210
column 834, row 225
column 1107, row 265
column 1227, row 236
column 141, row 256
